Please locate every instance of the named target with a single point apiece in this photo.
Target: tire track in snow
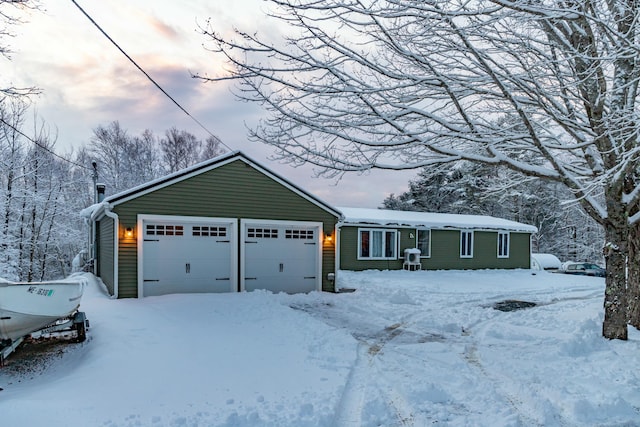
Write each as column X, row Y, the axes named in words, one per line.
column 516, row 401
column 367, row 375
column 351, row 405
column 367, row 381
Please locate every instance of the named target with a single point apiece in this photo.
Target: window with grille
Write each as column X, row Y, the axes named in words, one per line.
column 208, row 231
column 164, row 230
column 503, row 245
column 466, row 244
column 262, row 233
column 299, row 234
column 424, row 243
column 377, row 244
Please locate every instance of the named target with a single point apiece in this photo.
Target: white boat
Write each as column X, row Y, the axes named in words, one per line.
column 28, row 307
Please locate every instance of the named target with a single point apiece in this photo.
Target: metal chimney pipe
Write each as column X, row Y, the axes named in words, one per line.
column 100, row 188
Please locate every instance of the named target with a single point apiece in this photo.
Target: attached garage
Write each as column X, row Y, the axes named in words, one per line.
column 225, row 225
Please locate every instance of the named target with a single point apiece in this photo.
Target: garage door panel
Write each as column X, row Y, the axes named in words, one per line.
column 281, row 258
column 186, row 258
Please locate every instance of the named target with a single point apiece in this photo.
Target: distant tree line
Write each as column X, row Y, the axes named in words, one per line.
column 564, row 230
column 125, row 161
column 40, row 197
column 42, row 193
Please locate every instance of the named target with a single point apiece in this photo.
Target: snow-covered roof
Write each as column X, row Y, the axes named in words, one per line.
column 387, row 217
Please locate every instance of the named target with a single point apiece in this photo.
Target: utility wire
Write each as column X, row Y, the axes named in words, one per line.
column 42, row 146
column 146, row 74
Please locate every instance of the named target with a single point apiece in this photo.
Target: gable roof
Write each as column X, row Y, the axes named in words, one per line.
column 207, row 166
column 387, row 217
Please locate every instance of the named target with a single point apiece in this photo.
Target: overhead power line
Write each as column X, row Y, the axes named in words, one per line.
column 146, row 74
column 44, row 147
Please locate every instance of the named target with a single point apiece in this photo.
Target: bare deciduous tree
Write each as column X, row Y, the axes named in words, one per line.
column 401, row 84
column 212, row 148
column 10, row 11
column 41, row 231
column 180, row 149
column 110, row 145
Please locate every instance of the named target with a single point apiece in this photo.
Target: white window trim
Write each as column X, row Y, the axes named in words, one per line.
column 508, row 244
column 417, row 240
column 383, row 230
column 462, row 234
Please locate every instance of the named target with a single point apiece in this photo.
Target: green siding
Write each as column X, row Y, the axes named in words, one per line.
column 445, row 251
column 105, row 251
column 519, row 251
column 235, row 190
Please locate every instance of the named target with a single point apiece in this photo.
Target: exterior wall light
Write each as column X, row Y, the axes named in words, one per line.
column 328, row 238
column 128, row 233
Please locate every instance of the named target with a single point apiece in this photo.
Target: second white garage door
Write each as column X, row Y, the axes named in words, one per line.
column 281, row 256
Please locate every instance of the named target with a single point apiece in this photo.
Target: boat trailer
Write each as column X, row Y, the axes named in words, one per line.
column 76, row 324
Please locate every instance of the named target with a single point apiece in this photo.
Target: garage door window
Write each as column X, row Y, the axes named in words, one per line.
column 205, row 231
column 164, row 230
column 299, row 234
column 264, row 233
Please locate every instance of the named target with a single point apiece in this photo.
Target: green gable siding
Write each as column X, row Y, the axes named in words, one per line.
column 105, row 242
column 234, row 190
column 445, row 251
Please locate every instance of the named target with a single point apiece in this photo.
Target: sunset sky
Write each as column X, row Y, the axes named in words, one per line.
column 87, row 82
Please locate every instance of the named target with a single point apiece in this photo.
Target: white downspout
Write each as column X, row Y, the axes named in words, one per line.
column 338, row 228
column 92, row 247
column 116, row 227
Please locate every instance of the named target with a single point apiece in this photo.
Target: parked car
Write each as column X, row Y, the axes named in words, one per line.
column 585, row 269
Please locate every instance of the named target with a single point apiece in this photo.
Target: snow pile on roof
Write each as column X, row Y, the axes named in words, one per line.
column 547, row 261
column 387, row 217
column 88, row 212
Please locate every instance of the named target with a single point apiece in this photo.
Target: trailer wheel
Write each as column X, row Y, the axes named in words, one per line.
column 81, row 331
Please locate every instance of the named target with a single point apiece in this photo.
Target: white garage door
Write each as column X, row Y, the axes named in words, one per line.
column 281, row 257
column 180, row 256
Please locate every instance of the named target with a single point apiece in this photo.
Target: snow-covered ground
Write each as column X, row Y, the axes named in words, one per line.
column 405, row 349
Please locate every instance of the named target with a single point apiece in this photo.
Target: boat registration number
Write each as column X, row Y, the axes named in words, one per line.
column 40, row 291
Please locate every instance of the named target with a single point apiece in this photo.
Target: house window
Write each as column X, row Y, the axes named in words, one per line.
column 503, row 245
column 377, row 244
column 424, row 243
column 466, row 244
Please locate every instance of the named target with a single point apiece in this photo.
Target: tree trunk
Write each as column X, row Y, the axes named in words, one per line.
column 615, row 304
column 633, row 277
